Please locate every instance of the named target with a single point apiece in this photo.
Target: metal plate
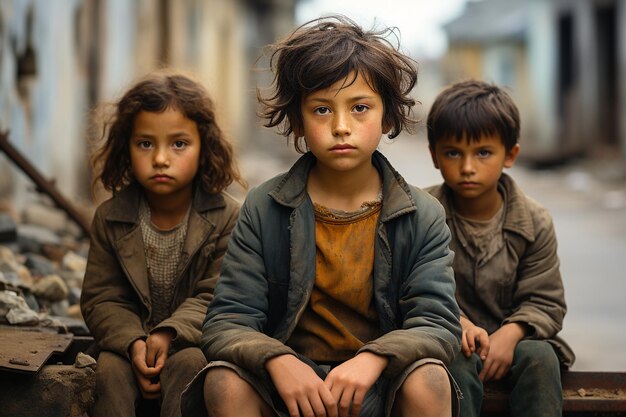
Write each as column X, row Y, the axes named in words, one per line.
column 27, row 350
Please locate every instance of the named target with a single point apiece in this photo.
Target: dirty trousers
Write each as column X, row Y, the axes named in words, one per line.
column 534, row 378
column 117, row 392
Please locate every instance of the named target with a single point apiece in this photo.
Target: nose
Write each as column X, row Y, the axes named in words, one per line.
column 467, row 166
column 341, row 124
column 161, row 157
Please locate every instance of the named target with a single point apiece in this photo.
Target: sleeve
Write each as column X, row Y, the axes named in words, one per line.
column 539, row 297
column 234, row 325
column 187, row 319
column 429, row 314
column 109, row 305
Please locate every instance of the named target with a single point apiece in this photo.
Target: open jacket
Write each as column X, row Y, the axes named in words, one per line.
column 115, row 299
column 269, row 271
column 521, row 283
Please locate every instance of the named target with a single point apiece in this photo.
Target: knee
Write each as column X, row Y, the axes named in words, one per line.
column 536, row 355
column 187, row 362
column 113, row 370
column 429, row 382
column 223, row 387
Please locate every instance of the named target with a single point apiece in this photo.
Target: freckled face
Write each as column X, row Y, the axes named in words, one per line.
column 472, row 170
column 343, row 126
column 165, row 152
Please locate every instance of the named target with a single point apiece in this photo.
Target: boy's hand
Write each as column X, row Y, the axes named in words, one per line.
column 300, row 387
column 147, row 377
column 471, row 335
column 350, row 381
column 503, row 343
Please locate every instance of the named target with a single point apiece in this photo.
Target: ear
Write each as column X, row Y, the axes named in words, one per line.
column 511, row 156
column 433, row 155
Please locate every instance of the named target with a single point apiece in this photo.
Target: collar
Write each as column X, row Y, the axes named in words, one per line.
column 517, row 216
column 127, row 201
column 397, row 199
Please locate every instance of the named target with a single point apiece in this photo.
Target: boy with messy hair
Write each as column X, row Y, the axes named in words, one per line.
column 508, row 283
column 336, row 295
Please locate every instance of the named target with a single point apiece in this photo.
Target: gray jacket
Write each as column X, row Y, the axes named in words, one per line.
column 269, row 271
column 521, row 282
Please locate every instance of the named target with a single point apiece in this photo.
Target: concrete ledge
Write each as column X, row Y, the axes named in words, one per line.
column 55, row 391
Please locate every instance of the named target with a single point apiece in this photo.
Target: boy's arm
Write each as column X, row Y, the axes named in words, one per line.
column 430, row 323
column 186, row 320
column 236, row 318
column 539, row 297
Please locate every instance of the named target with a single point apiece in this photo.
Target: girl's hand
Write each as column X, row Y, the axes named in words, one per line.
column 147, row 377
column 157, row 346
column 471, row 335
column 503, row 343
column 300, row 387
column 350, row 381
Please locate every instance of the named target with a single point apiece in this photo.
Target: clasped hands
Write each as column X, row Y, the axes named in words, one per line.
column 341, row 394
column 147, row 360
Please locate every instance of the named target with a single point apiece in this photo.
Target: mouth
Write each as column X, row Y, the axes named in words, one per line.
column 161, row 178
column 468, row 184
column 343, row 147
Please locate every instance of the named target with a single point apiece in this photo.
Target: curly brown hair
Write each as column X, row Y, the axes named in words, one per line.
column 326, row 50
column 157, row 92
column 470, row 109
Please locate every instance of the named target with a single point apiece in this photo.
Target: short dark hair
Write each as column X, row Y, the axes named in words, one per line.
column 470, row 109
column 326, row 50
column 157, row 92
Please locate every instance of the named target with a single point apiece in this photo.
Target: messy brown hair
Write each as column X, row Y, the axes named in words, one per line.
column 158, row 92
column 326, row 50
column 470, row 109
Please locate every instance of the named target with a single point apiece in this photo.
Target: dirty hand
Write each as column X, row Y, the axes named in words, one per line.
column 350, row 381
column 300, row 387
column 157, row 346
column 503, row 343
column 471, row 335
column 147, row 377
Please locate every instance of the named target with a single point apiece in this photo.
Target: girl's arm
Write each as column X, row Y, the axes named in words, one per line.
column 108, row 303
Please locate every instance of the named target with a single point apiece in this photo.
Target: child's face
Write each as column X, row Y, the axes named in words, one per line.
column 343, row 126
column 165, row 153
column 472, row 169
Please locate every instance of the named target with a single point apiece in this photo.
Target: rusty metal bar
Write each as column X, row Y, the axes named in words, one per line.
column 42, row 184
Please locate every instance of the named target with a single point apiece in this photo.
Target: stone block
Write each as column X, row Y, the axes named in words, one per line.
column 55, row 391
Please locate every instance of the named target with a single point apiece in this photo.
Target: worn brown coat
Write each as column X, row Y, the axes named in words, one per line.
column 521, row 282
column 115, row 299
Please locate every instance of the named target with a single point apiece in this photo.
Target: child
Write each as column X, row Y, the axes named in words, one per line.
column 158, row 243
column 508, row 284
column 336, row 295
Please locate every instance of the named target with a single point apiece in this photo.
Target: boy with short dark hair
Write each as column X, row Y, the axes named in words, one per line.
column 336, row 296
column 506, row 268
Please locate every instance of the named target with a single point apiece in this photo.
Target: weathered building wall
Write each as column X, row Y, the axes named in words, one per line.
column 58, row 60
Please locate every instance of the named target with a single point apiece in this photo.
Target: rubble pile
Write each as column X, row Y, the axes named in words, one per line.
column 42, row 264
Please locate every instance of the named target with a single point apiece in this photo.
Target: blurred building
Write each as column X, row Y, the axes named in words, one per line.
column 564, row 62
column 59, row 59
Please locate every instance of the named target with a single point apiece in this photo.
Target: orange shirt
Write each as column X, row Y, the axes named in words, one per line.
column 340, row 316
